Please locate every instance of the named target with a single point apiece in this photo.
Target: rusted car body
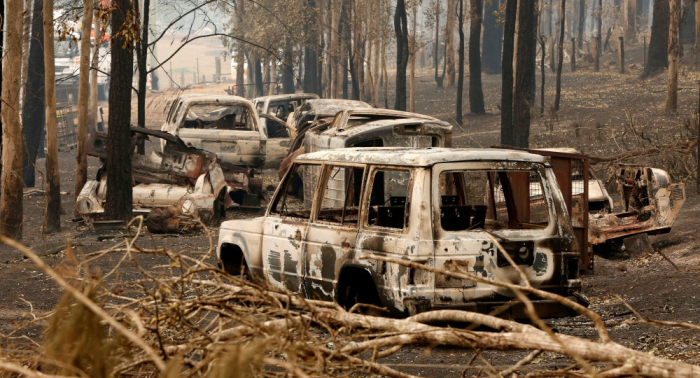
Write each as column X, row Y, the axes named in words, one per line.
column 432, row 206
column 181, row 175
column 279, row 133
column 650, row 204
column 226, row 125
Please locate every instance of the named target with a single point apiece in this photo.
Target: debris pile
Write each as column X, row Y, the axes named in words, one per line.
column 188, row 318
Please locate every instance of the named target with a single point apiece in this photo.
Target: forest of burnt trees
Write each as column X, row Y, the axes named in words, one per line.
column 334, row 48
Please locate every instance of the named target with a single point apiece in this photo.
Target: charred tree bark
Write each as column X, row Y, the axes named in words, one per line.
column 401, row 30
column 696, row 46
column 436, row 47
column 523, row 75
column 344, row 32
column 84, row 94
column 560, row 63
column 311, row 84
column 599, row 36
column 259, row 89
column 673, row 41
column 240, row 55
column 657, row 58
column 542, row 74
column 476, row 91
column 118, row 203
column 11, row 199
column 52, row 220
column 507, row 73
column 581, row 21
column 92, row 114
column 2, row 17
column 493, row 34
column 141, row 55
column 460, row 78
column 450, row 43
column 631, row 20
column 288, row 69
column 33, row 116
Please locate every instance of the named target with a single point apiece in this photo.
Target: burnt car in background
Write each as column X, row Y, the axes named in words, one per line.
column 226, row 125
column 368, row 128
column 650, row 203
column 314, row 110
column 273, row 112
column 196, row 181
column 431, row 206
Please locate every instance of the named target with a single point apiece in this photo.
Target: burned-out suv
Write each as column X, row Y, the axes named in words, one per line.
column 434, row 206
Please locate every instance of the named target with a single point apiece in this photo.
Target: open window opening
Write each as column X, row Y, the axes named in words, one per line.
column 492, row 200
column 389, row 201
column 342, row 189
column 289, row 201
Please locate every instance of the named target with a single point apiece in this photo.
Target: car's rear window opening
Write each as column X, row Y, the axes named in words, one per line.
column 492, row 199
column 219, row 116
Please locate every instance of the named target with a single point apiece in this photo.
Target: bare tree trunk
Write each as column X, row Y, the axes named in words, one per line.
column 599, row 17
column 83, row 94
column 507, row 73
column 476, row 91
column 92, row 113
column 11, row 199
column 621, row 54
column 311, row 84
column 493, row 34
column 401, row 30
column 450, row 43
column 52, row 220
column 377, row 74
column 697, row 28
column 2, row 17
column 436, row 46
column 460, row 78
column 523, row 74
column 672, row 93
column 412, row 59
column 657, row 56
column 542, row 74
column 141, row 58
column 33, row 116
column 240, row 54
column 560, row 64
column 273, row 76
column 118, row 204
column 344, row 34
column 631, row 21
column 287, row 68
column 581, row 22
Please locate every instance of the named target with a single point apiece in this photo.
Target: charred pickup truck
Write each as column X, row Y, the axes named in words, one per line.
column 433, row 206
column 226, row 125
column 181, row 175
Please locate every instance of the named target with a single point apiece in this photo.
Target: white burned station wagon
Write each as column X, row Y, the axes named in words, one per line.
column 434, row 206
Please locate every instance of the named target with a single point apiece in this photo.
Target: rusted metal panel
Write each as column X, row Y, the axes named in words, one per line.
column 650, row 204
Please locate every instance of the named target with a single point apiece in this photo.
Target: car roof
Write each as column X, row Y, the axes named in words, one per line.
column 333, row 106
column 359, row 112
column 203, row 97
column 417, row 157
column 289, row 96
column 385, row 124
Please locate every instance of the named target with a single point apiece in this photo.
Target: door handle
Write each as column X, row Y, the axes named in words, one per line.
column 297, row 237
